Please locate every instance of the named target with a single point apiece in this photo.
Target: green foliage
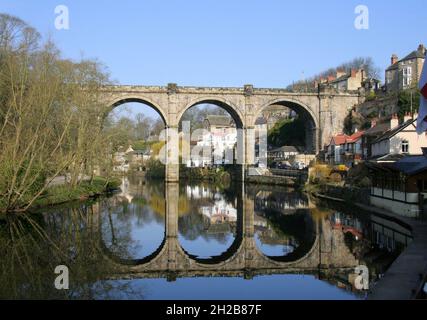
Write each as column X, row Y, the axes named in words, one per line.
column 404, row 102
column 216, row 175
column 155, row 169
column 33, row 177
column 287, row 132
column 352, row 121
column 371, row 96
column 320, row 174
column 65, row 193
column 141, row 145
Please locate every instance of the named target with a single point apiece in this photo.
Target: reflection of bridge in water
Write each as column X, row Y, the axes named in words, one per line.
column 286, row 203
column 326, row 250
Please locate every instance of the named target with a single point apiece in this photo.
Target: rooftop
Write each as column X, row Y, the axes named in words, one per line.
column 391, row 132
column 420, row 53
column 409, row 165
column 218, row 120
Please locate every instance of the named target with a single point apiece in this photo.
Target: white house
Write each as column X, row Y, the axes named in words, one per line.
column 335, row 149
column 400, row 139
column 216, row 144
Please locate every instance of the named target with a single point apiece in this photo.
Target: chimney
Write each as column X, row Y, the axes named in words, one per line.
column 353, row 73
column 407, row 117
column 341, row 72
column 394, row 122
column 422, row 49
column 331, row 78
column 373, row 123
column 394, row 59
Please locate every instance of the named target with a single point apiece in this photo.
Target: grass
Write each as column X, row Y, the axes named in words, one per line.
column 62, row 194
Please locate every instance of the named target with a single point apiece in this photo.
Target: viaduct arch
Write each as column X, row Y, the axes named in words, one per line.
column 324, row 111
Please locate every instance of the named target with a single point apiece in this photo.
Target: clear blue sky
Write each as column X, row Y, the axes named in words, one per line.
column 268, row 43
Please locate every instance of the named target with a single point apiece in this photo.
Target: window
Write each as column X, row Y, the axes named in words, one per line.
column 389, row 77
column 407, row 76
column 422, row 185
column 405, row 146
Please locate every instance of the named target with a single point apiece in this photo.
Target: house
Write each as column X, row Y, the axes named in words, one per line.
column 284, row 153
column 371, row 85
column 399, row 139
column 376, row 130
column 347, row 81
column 400, row 186
column 123, row 159
column 345, row 149
column 353, row 152
column 335, row 149
column 405, row 73
column 219, row 137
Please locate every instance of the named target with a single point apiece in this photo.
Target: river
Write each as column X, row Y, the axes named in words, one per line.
column 154, row 240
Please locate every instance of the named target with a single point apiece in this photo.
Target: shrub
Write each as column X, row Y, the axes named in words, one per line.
column 335, row 177
column 155, row 169
column 320, row 173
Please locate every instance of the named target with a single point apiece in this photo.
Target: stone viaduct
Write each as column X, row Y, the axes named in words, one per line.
column 327, row 250
column 323, row 112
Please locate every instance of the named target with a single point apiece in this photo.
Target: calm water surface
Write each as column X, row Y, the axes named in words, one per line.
column 168, row 241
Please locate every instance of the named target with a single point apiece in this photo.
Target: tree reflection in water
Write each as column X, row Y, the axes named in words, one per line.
column 32, row 245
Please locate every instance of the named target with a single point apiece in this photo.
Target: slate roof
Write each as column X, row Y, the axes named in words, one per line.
column 260, row 121
column 215, row 120
column 379, row 129
column 409, row 165
column 392, row 132
column 416, row 54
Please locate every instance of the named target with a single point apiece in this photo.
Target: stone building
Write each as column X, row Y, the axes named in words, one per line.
column 347, row 80
column 405, row 73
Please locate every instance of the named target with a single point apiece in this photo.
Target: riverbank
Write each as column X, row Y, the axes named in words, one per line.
column 63, row 193
column 85, row 190
column 405, row 278
column 272, row 180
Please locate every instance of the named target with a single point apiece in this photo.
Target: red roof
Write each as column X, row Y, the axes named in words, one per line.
column 339, row 139
column 343, row 138
column 355, row 137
